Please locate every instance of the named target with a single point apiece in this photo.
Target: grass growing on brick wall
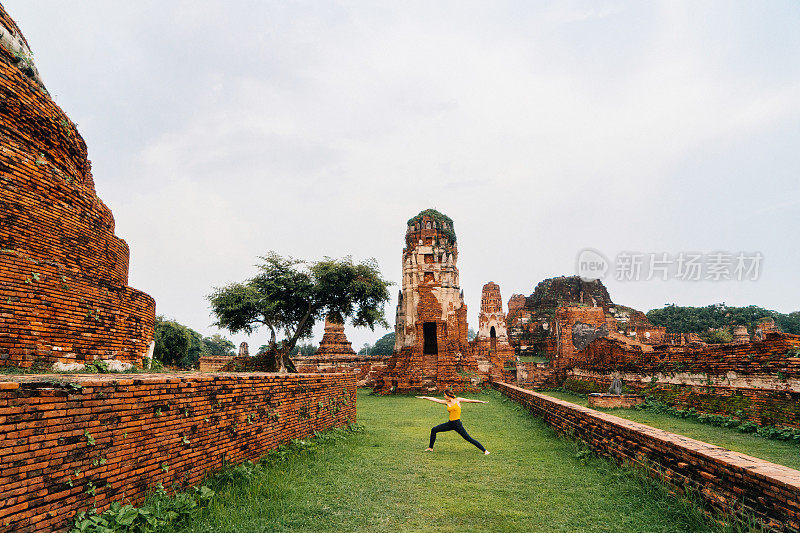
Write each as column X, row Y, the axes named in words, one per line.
column 380, row 479
column 780, row 452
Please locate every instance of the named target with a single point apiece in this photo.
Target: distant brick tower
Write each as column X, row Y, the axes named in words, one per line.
column 491, row 348
column 431, row 350
column 334, row 342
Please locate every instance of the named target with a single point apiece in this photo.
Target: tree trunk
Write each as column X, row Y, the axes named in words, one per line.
column 284, row 362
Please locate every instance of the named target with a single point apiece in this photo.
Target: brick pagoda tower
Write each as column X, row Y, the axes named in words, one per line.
column 491, row 348
column 431, row 350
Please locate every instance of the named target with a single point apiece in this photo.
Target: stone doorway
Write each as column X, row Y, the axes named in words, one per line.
column 430, row 344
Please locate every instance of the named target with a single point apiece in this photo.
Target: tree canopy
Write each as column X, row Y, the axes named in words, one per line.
column 179, row 345
column 306, row 349
column 700, row 319
column 287, row 296
column 383, row 346
column 219, row 345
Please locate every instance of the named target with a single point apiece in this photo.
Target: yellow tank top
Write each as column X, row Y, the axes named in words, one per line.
column 454, row 411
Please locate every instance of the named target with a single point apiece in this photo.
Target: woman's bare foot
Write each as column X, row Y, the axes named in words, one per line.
column 485, row 452
column 428, row 449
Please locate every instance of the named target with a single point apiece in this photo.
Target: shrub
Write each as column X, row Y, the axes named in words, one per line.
column 159, row 511
column 581, row 386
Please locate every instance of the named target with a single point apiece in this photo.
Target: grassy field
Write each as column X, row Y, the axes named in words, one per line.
column 380, row 479
column 780, row 452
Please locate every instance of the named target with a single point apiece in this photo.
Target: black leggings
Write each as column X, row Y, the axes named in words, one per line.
column 458, row 427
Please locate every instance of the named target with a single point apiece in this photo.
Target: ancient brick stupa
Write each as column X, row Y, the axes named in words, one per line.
column 335, row 354
column 334, row 342
column 63, row 272
column 431, row 350
column 491, row 348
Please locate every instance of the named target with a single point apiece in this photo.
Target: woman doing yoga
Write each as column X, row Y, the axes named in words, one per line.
column 454, row 424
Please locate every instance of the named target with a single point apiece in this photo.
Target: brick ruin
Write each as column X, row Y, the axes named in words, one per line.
column 757, row 381
column 565, row 314
column 570, row 333
column 64, row 297
column 244, row 350
column 431, row 350
column 63, row 272
column 334, row 342
column 86, row 441
column 730, row 483
column 490, row 348
column 336, row 354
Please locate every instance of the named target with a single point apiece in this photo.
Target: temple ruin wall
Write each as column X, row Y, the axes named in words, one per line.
column 63, row 437
column 730, row 483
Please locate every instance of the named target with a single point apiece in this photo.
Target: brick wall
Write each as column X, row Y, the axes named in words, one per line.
column 49, row 312
column 366, row 368
column 773, row 402
column 566, row 317
column 729, row 482
column 147, row 429
column 770, row 355
column 757, row 379
column 213, row 363
column 536, row 375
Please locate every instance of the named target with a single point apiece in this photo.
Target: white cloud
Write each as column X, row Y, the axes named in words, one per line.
column 223, row 132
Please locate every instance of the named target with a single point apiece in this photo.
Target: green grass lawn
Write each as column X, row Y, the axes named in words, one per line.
column 380, row 479
column 780, row 452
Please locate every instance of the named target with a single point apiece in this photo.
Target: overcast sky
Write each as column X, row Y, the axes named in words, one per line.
column 221, row 130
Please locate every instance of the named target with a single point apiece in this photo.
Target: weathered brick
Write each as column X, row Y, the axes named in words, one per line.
column 63, row 272
column 732, row 483
column 260, row 412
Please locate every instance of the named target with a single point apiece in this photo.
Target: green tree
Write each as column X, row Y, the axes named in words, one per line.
column 305, row 350
column 717, row 336
column 471, row 334
column 701, row 319
column 176, row 344
column 219, row 346
column 197, row 349
column 172, row 341
column 789, row 323
column 288, row 296
column 384, row 345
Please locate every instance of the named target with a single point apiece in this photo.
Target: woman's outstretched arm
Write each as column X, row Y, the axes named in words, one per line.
column 466, row 400
column 437, row 400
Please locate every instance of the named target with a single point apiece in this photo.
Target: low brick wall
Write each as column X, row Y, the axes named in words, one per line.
column 730, row 482
column 64, row 437
column 365, row 367
column 212, row 363
column 536, row 375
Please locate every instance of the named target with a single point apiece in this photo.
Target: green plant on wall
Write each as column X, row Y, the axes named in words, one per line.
column 440, row 219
